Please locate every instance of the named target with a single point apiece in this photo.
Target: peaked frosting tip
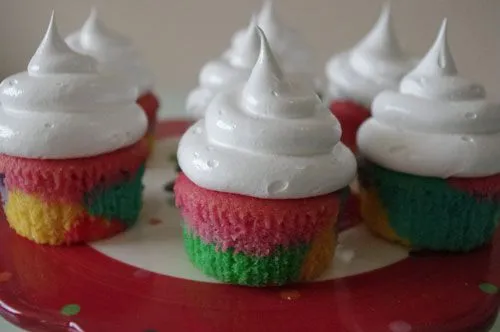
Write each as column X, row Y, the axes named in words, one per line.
column 245, row 53
column 55, row 56
column 382, row 39
column 94, row 33
column 438, row 60
column 267, row 19
column 266, row 76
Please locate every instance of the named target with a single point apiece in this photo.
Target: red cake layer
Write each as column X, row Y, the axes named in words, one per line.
column 488, row 186
column 252, row 225
column 350, row 116
column 89, row 229
column 150, row 104
column 69, row 179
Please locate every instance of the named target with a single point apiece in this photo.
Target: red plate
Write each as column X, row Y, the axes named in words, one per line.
column 80, row 289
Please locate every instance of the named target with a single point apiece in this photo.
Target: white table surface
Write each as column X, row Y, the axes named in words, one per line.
column 172, row 107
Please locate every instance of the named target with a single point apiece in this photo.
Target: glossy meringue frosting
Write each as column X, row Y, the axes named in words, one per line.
column 234, row 67
column 294, row 55
column 438, row 124
column 114, row 52
column 375, row 64
column 62, row 108
column 269, row 138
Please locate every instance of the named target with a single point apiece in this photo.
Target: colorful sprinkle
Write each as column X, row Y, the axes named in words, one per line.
column 5, row 276
column 488, row 288
column 290, row 295
column 399, row 326
column 70, row 310
column 155, row 221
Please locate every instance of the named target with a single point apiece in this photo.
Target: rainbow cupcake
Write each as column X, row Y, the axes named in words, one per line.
column 431, row 177
column 356, row 76
column 262, row 181
column 117, row 55
column 71, row 154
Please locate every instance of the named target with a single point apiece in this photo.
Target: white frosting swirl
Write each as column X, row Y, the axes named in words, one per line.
column 375, row 64
column 115, row 53
column 234, row 67
column 271, row 138
column 294, row 55
column 62, row 108
column 438, row 124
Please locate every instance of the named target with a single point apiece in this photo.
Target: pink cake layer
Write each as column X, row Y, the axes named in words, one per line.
column 70, row 179
column 252, row 225
column 351, row 116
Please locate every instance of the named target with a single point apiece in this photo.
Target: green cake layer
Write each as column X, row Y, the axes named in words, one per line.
column 281, row 267
column 430, row 213
column 122, row 201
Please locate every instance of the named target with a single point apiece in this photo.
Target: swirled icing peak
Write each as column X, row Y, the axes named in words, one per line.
column 293, row 53
column 63, row 108
column 438, row 61
column 269, row 138
column 232, row 68
column 95, row 37
column 54, row 56
column 436, row 76
column 268, row 21
column 266, row 79
column 376, row 63
column 115, row 53
column 380, row 43
column 438, row 124
column 245, row 54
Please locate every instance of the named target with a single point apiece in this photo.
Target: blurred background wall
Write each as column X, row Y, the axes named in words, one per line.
column 178, row 36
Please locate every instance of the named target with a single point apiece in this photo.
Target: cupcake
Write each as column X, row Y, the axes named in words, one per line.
column 355, row 77
column 235, row 64
column 117, row 55
column 262, row 180
column 72, row 151
column 431, row 177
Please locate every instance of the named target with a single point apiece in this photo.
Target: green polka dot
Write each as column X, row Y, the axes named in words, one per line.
column 70, row 310
column 488, row 288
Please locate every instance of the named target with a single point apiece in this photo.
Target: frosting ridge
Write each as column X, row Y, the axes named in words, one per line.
column 270, row 138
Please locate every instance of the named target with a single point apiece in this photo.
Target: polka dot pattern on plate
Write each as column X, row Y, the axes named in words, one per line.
column 488, row 288
column 70, row 310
